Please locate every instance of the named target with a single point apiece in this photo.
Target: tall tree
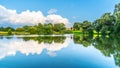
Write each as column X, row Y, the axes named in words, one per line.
column 77, row 25
column 59, row 27
column 48, row 28
column 40, row 28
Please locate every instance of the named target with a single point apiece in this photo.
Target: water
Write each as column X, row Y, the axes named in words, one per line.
column 66, row 51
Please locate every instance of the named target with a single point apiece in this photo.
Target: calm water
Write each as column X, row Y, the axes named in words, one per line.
column 67, row 51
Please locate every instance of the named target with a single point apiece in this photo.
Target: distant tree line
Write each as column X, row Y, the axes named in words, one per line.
column 58, row 28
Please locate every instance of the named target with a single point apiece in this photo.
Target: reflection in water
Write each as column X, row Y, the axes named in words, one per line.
column 46, row 39
column 32, row 45
column 109, row 46
column 9, row 46
column 84, row 40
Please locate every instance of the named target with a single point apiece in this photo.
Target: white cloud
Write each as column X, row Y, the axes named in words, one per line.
column 30, row 17
column 52, row 11
column 57, row 19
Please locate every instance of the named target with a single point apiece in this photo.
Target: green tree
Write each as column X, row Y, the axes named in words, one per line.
column 9, row 32
column 7, row 28
column 117, row 27
column 117, row 8
column 86, row 26
column 48, row 28
column 40, row 29
column 97, row 25
column 77, row 25
column 32, row 30
column 26, row 28
column 59, row 27
column 20, row 29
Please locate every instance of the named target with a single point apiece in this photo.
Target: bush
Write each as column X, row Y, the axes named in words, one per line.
column 9, row 32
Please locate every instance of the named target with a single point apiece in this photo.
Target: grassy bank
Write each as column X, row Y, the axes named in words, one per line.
column 15, row 33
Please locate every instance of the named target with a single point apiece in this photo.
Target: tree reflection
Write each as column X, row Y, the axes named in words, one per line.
column 46, row 39
column 82, row 39
column 107, row 45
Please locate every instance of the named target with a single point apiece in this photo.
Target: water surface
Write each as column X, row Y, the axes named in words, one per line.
column 67, row 51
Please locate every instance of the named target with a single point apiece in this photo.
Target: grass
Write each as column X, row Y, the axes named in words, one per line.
column 21, row 33
column 15, row 33
column 3, row 33
column 76, row 32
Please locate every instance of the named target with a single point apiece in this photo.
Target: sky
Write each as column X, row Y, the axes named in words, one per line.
column 30, row 12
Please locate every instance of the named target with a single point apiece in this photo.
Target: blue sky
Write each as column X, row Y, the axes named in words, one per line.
column 73, row 10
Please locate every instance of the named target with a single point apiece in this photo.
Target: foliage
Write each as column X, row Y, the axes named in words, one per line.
column 20, row 29
column 6, row 29
column 48, row 29
column 9, row 32
column 59, row 27
column 107, row 24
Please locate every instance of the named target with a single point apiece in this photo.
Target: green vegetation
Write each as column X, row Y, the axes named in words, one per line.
column 108, row 45
column 9, row 32
column 40, row 29
column 107, row 24
column 46, row 39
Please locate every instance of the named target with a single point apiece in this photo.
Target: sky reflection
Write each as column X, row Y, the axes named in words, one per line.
column 9, row 47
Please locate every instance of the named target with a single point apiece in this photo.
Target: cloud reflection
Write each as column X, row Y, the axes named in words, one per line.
column 9, row 47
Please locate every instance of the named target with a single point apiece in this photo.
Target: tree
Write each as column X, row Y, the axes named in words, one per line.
column 26, row 28
column 117, row 8
column 7, row 28
column 40, row 29
column 20, row 29
column 9, row 32
column 117, row 27
column 97, row 25
column 59, row 27
column 86, row 25
column 32, row 30
column 48, row 28
column 1, row 28
column 77, row 25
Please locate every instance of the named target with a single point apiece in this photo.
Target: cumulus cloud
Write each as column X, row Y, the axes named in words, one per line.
column 56, row 19
column 52, row 11
column 30, row 17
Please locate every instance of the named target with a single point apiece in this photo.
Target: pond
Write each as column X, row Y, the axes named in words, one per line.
column 59, row 51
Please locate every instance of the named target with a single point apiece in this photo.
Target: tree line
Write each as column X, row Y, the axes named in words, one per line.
column 58, row 28
column 108, row 23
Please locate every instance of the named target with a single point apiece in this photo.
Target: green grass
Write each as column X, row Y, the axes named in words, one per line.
column 15, row 33
column 77, row 32
column 3, row 33
column 21, row 33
